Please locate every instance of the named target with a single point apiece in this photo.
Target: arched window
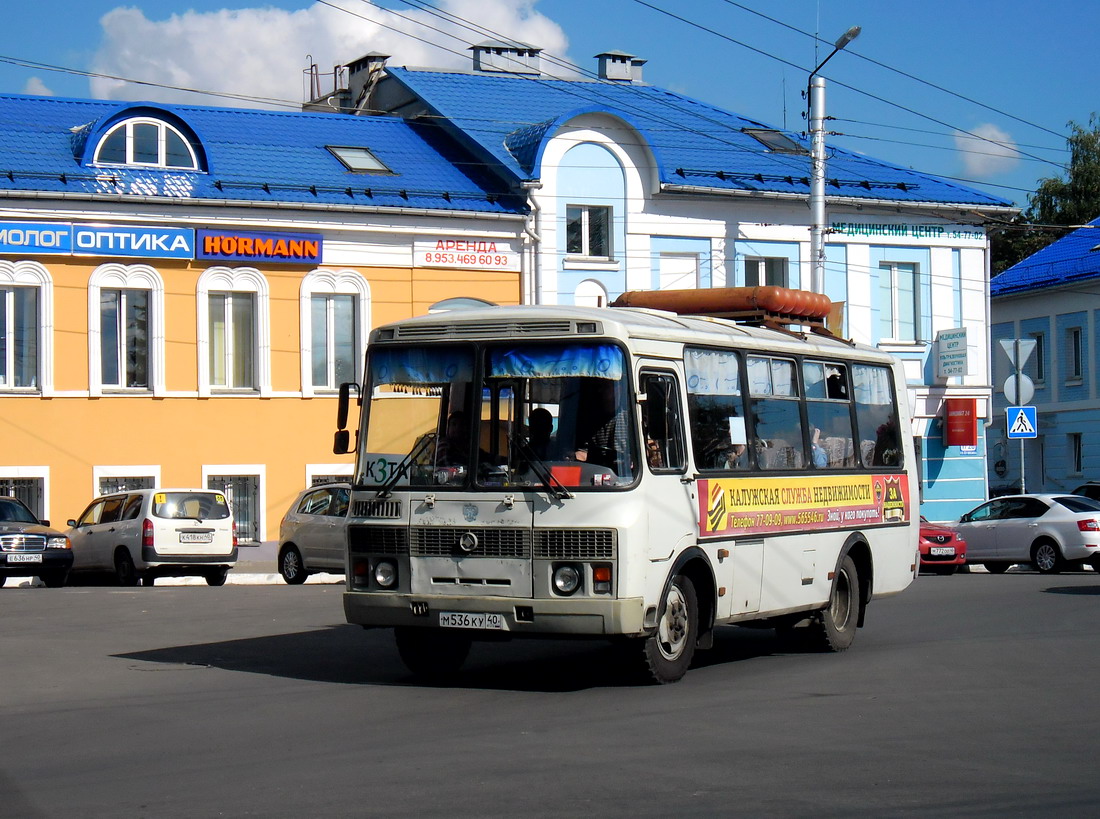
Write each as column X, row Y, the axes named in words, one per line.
column 147, row 142
column 335, row 307
column 126, row 328
column 590, row 293
column 26, row 327
column 234, row 331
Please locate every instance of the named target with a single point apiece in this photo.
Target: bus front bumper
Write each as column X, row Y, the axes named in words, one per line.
column 521, row 616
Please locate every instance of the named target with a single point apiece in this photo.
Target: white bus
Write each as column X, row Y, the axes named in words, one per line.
column 627, row 473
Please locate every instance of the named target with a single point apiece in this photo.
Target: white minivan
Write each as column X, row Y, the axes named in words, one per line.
column 151, row 533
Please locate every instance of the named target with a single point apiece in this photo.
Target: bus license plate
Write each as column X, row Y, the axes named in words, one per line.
column 32, row 558
column 942, row 551
column 196, row 537
column 468, row 619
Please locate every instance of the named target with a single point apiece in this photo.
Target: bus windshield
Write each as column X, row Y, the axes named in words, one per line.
column 498, row 415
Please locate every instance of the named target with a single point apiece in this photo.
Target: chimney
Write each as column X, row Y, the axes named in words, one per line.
column 363, row 75
column 352, row 85
column 498, row 57
column 620, row 66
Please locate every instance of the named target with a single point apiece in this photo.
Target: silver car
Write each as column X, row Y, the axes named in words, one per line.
column 311, row 535
column 1052, row 532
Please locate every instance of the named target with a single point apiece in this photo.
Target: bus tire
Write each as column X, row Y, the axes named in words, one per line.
column 669, row 650
column 834, row 627
column 431, row 653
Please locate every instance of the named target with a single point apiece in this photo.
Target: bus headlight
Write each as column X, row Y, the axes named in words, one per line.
column 567, row 579
column 385, row 574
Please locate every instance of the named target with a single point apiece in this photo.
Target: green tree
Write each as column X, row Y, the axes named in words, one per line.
column 1072, row 201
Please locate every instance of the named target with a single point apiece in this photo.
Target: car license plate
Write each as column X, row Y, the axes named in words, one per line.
column 942, row 551
column 196, row 537
column 469, row 619
column 31, row 558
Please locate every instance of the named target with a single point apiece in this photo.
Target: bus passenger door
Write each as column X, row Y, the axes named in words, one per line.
column 669, row 493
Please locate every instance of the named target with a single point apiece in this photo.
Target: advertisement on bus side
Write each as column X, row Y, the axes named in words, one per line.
column 747, row 506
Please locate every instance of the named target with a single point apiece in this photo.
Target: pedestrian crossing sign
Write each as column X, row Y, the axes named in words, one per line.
column 1021, row 422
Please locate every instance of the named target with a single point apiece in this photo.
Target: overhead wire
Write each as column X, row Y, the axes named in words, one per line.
column 868, row 94
column 458, row 20
column 896, row 70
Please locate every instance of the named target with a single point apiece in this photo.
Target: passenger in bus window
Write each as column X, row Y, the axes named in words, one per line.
column 540, row 428
column 454, row 448
column 608, row 439
column 821, row 459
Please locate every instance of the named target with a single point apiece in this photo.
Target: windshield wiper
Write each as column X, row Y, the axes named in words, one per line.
column 403, row 467
column 550, row 483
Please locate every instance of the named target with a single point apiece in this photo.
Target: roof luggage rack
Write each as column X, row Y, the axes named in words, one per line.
column 774, row 307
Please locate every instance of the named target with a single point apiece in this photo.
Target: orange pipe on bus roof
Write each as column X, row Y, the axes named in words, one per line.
column 724, row 300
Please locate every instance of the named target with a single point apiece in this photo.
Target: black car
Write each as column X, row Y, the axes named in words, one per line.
column 1089, row 490
column 30, row 548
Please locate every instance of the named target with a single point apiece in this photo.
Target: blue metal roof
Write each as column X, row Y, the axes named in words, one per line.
column 1072, row 258
column 47, row 143
column 510, row 117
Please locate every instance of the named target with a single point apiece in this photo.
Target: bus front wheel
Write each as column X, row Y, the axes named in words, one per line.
column 834, row 627
column 669, row 650
column 427, row 652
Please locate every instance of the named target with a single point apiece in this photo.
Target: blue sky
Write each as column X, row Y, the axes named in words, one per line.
column 1017, row 71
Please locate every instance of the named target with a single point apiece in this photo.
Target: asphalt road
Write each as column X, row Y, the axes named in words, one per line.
column 968, row 695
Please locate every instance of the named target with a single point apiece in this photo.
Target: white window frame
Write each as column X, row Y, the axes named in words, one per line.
column 162, row 153
column 1076, row 452
column 1076, row 359
column 345, row 470
column 257, row 471
column 33, row 274
column 586, row 244
column 891, row 270
column 762, row 264
column 332, row 282
column 113, row 276
column 234, row 280
column 1040, row 339
column 135, row 471
column 39, row 473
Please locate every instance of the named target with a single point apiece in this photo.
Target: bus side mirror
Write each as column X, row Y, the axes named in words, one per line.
column 340, row 442
column 343, row 401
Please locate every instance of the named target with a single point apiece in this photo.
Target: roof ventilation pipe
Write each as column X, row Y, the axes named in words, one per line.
column 620, row 66
column 506, row 57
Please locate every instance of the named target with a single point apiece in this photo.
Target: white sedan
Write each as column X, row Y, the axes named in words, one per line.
column 1049, row 531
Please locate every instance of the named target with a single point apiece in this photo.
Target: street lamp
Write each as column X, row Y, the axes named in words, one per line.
column 816, row 92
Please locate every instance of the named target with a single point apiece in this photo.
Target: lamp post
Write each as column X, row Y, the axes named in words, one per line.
column 816, row 93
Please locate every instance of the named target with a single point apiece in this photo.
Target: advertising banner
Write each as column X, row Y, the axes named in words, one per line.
column 467, row 254
column 750, row 506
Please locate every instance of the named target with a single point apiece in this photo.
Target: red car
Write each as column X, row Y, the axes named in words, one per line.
column 942, row 550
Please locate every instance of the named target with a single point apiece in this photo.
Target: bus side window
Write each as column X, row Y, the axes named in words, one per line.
column 776, row 413
column 716, row 410
column 832, row 444
column 662, row 423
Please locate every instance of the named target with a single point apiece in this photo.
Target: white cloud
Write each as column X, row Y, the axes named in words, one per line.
column 262, row 52
column 35, row 86
column 990, row 151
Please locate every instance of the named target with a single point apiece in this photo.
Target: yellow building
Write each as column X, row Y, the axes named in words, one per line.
column 184, row 316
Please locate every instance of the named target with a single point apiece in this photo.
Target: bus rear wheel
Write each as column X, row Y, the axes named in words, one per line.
column 834, row 627
column 431, row 653
column 669, row 650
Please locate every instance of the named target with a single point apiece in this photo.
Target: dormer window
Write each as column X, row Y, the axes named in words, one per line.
column 149, row 143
